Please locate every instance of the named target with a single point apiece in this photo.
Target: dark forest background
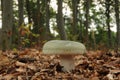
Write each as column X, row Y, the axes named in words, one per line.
column 30, row 23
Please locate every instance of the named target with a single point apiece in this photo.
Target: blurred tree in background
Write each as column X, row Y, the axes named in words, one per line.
column 30, row 23
column 7, row 23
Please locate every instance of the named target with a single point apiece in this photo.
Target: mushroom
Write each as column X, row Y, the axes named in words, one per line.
column 66, row 50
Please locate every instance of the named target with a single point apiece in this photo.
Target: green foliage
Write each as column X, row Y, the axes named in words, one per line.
column 25, row 42
column 101, row 37
column 27, row 36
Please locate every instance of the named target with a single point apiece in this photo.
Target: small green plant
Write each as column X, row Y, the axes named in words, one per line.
column 27, row 36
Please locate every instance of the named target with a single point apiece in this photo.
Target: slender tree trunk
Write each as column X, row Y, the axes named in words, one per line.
column 38, row 16
column 108, row 3
column 81, row 28
column 117, row 22
column 41, row 20
column 93, row 39
column 60, row 22
column 0, row 39
column 28, row 9
column 7, row 23
column 87, row 22
column 47, row 19
column 21, row 21
column 1, row 29
column 75, row 21
column 21, row 11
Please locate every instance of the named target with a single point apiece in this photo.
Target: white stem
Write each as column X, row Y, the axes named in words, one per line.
column 67, row 61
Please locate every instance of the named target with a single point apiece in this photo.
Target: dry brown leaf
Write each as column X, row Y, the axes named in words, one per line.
column 93, row 54
column 119, row 77
column 20, row 64
column 8, row 76
column 109, row 66
column 45, row 70
column 80, row 62
column 19, row 78
column 115, row 71
column 4, row 60
column 21, row 69
column 32, row 67
column 110, row 77
column 95, row 78
column 35, row 76
column 25, row 52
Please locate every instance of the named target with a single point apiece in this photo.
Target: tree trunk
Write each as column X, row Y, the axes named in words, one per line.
column 38, row 13
column 74, row 26
column 93, row 39
column 60, row 22
column 0, row 39
column 80, row 22
column 87, row 22
column 20, row 22
column 117, row 22
column 47, row 19
column 21, row 11
column 28, row 9
column 1, row 29
column 108, row 3
column 7, row 23
column 36, row 17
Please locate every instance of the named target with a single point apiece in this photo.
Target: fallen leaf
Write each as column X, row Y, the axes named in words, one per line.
column 8, row 77
column 20, row 64
column 20, row 78
column 119, row 77
column 114, row 71
column 32, row 67
column 4, row 60
column 21, row 69
column 110, row 77
column 109, row 66
column 95, row 78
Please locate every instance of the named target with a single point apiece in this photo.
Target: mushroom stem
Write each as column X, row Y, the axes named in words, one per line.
column 67, row 61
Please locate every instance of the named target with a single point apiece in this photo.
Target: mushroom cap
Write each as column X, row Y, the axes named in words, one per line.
column 63, row 47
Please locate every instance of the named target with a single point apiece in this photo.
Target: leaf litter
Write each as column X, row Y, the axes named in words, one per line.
column 31, row 64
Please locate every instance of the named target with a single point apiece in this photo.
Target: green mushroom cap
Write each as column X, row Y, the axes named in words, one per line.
column 63, row 47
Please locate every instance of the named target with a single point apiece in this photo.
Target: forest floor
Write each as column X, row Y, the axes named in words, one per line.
column 31, row 64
